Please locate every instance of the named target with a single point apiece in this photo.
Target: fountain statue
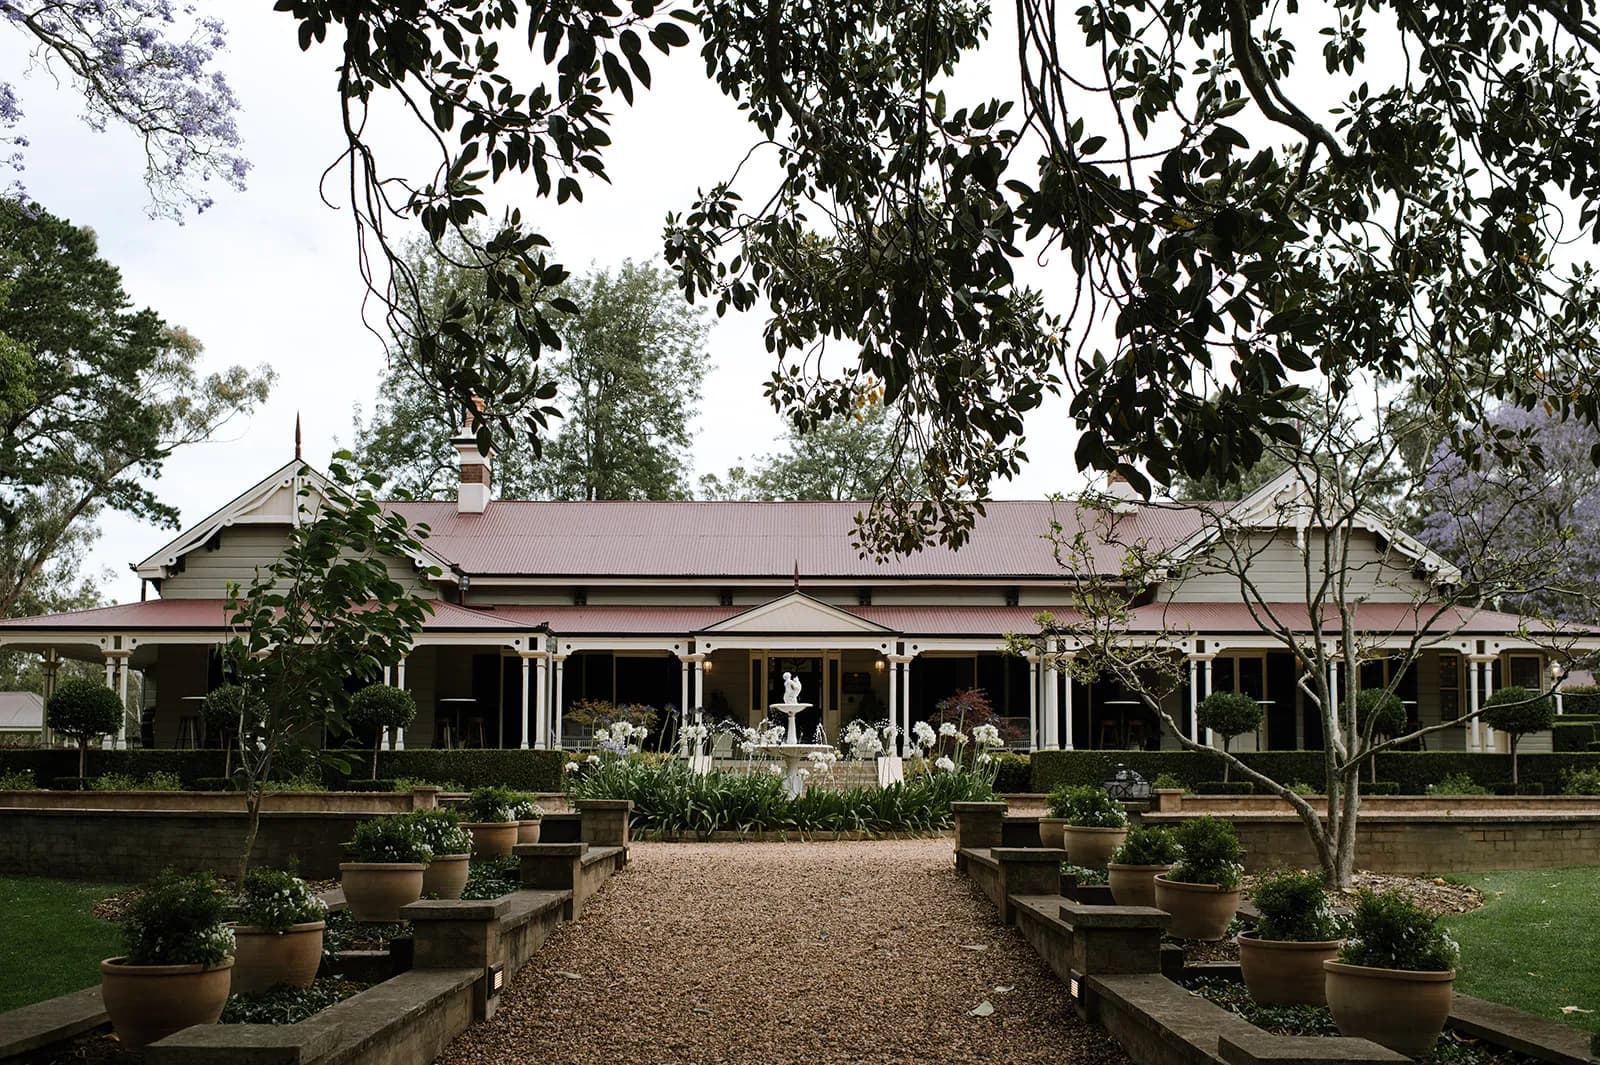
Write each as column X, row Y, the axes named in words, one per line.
column 791, row 750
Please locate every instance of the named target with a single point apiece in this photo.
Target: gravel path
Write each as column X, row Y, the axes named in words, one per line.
column 778, row 953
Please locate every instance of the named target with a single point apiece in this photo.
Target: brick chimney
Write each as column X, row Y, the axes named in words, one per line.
column 472, row 494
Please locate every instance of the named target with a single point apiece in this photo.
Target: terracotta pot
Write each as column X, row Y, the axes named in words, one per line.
column 1092, row 847
column 492, row 839
column 1050, row 832
column 1281, row 972
column 150, row 1002
column 1401, row 1010
column 1199, row 911
column 528, row 831
column 1134, row 885
column 446, row 876
column 263, row 958
column 375, row 891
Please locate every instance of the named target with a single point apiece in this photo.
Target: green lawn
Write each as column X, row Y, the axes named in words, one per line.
column 1535, row 943
column 51, row 942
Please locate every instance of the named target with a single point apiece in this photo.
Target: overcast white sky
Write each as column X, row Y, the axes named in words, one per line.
column 268, row 275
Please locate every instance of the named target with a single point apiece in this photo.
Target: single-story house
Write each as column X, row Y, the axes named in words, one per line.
column 541, row 605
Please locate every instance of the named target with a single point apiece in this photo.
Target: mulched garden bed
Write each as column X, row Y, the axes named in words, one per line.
column 289, row 1005
column 1453, row 1048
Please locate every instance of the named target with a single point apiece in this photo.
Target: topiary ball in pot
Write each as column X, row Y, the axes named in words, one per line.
column 1394, row 979
column 488, row 815
column 389, row 855
column 278, row 927
column 176, row 971
column 1281, row 960
column 1201, row 892
column 1134, row 866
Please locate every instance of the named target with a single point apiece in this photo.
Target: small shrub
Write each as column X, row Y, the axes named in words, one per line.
column 489, row 804
column 1571, row 735
column 377, row 708
column 178, row 920
column 1294, row 908
column 1086, row 806
column 1166, row 782
column 368, row 785
column 1517, row 712
column 297, row 784
column 1211, row 853
column 389, row 839
column 1148, row 846
column 211, row 784
column 1225, row 787
column 276, row 900
column 1381, row 787
column 1300, row 787
column 441, row 830
column 1581, row 782
column 1457, row 784
column 1229, row 714
column 1012, row 773
column 83, row 710
column 1389, row 931
column 18, row 780
column 1382, row 709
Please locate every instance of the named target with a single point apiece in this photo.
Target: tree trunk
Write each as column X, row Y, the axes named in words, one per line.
column 253, row 807
column 83, row 757
column 1225, row 765
column 377, row 744
column 227, row 757
column 1513, row 736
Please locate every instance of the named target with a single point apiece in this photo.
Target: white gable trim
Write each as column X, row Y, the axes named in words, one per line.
column 274, row 500
column 795, row 612
column 1278, row 504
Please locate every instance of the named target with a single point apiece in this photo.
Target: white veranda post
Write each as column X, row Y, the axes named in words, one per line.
column 894, row 700
column 541, row 693
column 1066, row 706
column 1206, row 671
column 1052, row 715
column 399, row 742
column 1475, row 729
column 559, row 669
column 1033, row 702
column 527, row 690
column 1194, row 698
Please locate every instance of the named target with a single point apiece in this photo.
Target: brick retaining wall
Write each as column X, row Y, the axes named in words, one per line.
column 1425, row 843
column 133, row 845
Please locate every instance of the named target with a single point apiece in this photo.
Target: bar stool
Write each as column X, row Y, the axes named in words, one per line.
column 476, row 734
column 188, row 732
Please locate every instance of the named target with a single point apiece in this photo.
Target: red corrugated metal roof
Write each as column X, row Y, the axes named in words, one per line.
column 213, row 614
column 1220, row 619
column 709, row 539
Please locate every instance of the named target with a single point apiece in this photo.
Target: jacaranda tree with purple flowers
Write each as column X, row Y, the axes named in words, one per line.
column 145, row 65
column 1534, row 499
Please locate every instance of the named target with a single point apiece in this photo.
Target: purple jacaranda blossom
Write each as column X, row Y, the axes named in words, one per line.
column 145, row 65
column 1532, row 513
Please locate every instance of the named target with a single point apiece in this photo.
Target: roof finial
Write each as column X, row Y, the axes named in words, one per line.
column 297, row 436
column 797, row 574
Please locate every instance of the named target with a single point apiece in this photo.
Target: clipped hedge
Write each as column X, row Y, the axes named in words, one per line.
column 1013, row 773
column 1413, row 771
column 1571, row 735
column 520, row 770
column 1583, row 699
column 1225, row 787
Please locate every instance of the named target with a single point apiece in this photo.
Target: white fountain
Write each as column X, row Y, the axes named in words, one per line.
column 792, row 751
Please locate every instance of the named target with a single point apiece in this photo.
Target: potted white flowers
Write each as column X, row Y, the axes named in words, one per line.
column 1201, row 892
column 277, row 932
column 528, row 815
column 446, row 874
column 389, row 855
column 1143, row 855
column 1394, row 979
column 1093, row 824
column 176, row 971
column 489, row 818
column 1281, row 960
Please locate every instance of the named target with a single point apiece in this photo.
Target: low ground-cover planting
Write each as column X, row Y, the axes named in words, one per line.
column 1533, row 943
column 288, row 1005
column 670, row 800
column 1316, row 1020
column 50, row 939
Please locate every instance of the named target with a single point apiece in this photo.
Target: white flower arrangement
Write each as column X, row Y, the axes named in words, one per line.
column 947, row 729
column 593, row 759
column 570, row 767
column 945, row 764
column 987, row 736
column 925, row 736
